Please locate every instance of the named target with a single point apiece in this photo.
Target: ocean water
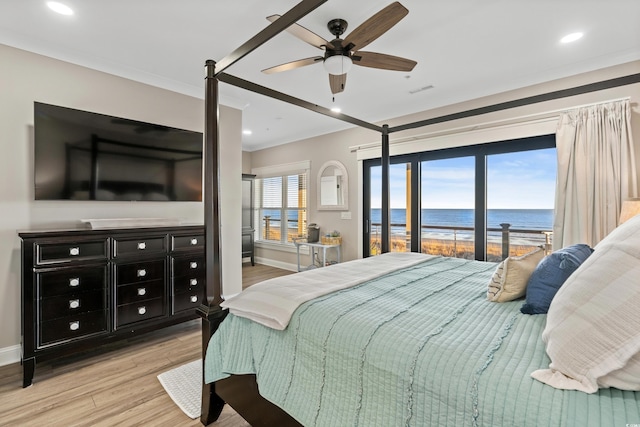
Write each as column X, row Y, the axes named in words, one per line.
column 529, row 219
column 520, row 219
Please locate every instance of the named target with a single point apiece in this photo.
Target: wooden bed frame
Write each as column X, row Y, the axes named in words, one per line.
column 241, row 391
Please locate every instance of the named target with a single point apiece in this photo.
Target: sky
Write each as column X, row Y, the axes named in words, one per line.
column 522, row 180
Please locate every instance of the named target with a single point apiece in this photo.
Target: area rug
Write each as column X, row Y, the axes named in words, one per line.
column 184, row 385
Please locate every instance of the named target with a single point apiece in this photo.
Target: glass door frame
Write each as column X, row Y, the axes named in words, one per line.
column 480, row 152
column 415, row 198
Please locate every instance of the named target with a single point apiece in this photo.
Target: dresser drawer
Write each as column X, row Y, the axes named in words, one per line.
column 143, row 310
column 139, row 246
column 72, row 327
column 187, row 273
column 70, row 281
column 184, row 284
column 188, row 301
column 136, row 292
column 142, row 271
column 47, row 253
column 187, row 242
column 70, row 305
column 188, row 265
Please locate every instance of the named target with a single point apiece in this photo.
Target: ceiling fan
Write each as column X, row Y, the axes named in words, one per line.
column 340, row 54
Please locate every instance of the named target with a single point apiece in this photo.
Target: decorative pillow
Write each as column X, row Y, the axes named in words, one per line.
column 550, row 274
column 592, row 334
column 509, row 281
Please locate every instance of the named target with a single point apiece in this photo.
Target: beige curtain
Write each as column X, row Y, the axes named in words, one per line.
column 596, row 172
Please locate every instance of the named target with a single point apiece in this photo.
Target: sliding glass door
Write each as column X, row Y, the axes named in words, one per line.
column 400, row 201
column 481, row 202
column 448, row 208
column 520, row 199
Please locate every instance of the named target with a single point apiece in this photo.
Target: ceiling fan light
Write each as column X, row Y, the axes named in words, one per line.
column 337, row 64
column 60, row 8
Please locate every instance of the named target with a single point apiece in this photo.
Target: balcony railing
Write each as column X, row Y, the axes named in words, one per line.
column 457, row 241
column 271, row 228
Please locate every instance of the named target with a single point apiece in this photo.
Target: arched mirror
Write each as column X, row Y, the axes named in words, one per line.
column 333, row 187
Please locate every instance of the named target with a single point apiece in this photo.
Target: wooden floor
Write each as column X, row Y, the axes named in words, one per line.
column 257, row 273
column 114, row 386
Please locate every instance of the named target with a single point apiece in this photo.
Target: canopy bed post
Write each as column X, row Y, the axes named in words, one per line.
column 210, row 311
column 386, row 211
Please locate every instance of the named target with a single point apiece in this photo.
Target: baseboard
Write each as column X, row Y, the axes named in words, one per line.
column 276, row 264
column 10, row 355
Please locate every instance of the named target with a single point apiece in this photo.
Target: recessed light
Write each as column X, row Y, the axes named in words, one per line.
column 246, row 132
column 336, row 109
column 571, row 37
column 60, row 8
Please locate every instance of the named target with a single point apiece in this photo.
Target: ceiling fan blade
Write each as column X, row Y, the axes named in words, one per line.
column 383, row 61
column 337, row 83
column 375, row 26
column 304, row 34
column 292, row 65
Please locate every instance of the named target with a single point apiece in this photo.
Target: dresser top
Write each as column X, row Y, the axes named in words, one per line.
column 85, row 231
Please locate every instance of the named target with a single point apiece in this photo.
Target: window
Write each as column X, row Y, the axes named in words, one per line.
column 485, row 201
column 281, row 201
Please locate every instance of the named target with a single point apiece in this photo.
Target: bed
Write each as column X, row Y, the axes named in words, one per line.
column 419, row 345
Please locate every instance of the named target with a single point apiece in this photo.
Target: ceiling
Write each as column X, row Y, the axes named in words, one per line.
column 465, row 49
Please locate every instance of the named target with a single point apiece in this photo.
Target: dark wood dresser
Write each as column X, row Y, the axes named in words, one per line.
column 85, row 288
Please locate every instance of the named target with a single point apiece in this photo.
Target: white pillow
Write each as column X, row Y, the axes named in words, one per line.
column 592, row 334
column 509, row 281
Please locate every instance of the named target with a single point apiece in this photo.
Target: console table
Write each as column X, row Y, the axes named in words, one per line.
column 316, row 248
column 85, row 288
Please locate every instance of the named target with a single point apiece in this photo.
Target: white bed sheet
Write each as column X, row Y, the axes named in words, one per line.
column 272, row 302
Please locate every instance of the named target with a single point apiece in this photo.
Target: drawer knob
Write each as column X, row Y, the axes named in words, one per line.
column 74, row 251
column 142, row 272
column 193, row 282
column 194, row 298
column 194, row 241
column 142, row 291
column 142, row 246
column 74, row 303
column 74, row 326
column 142, row 310
column 193, row 264
column 74, row 281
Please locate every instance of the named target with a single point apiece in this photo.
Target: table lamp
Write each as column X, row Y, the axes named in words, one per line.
column 630, row 208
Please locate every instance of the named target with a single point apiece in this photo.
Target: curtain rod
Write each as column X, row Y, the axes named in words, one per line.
column 549, row 96
column 542, row 116
column 562, row 110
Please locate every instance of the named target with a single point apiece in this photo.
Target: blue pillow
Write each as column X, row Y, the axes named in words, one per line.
column 550, row 274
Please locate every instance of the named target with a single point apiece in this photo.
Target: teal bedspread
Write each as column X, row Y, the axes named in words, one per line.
column 418, row 347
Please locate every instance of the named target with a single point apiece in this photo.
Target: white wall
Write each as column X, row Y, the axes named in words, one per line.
column 26, row 77
column 503, row 125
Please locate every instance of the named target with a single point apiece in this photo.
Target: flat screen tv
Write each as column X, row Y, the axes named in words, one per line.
column 81, row 155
